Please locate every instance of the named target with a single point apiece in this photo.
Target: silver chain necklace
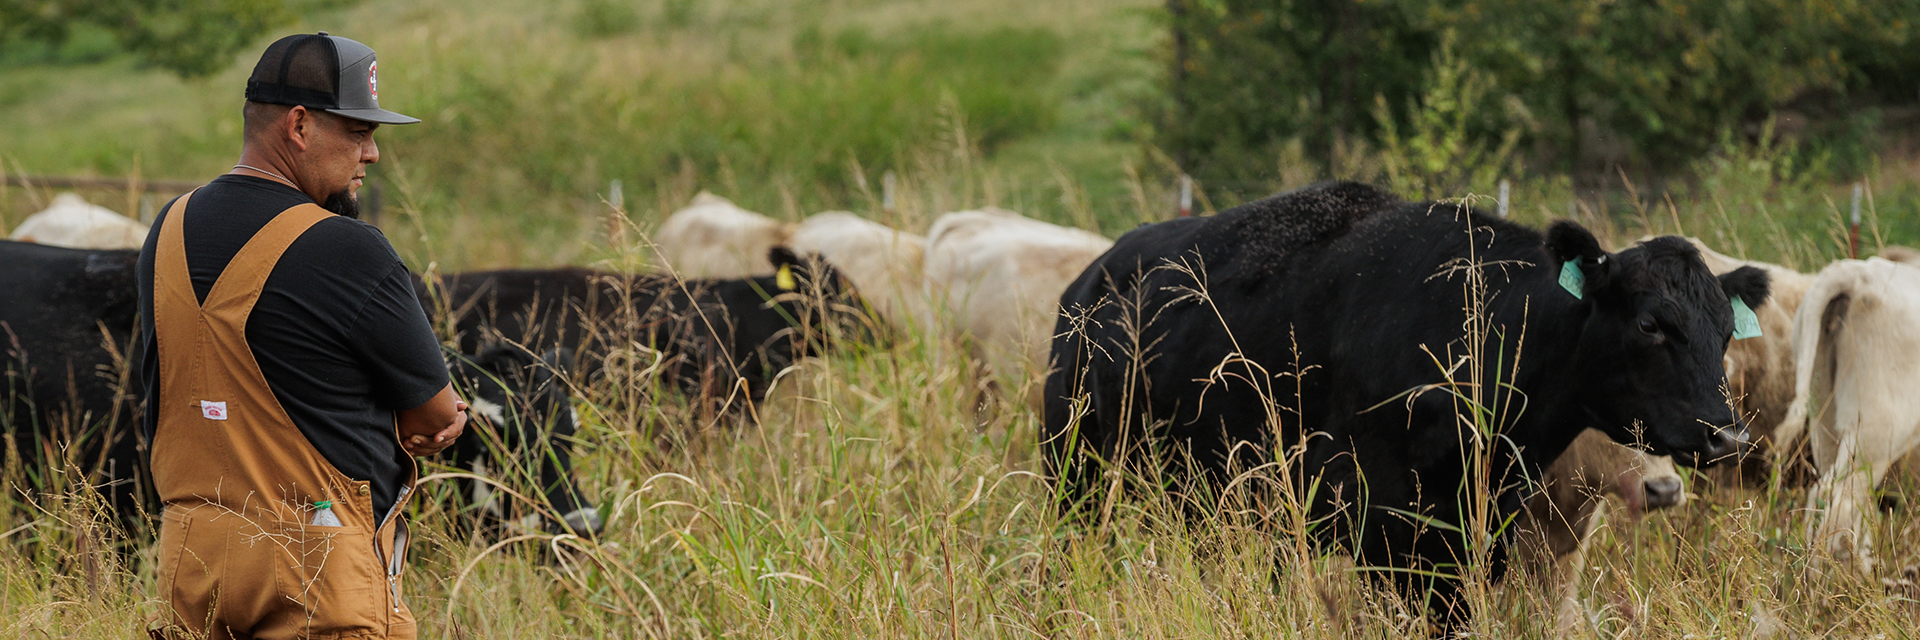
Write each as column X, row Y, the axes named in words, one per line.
column 275, row 175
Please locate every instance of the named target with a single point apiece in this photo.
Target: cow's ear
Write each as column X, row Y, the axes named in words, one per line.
column 1569, row 242
column 779, row 256
column 1751, row 284
column 788, row 267
column 1583, row 266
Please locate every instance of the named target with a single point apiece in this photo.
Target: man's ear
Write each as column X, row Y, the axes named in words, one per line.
column 298, row 125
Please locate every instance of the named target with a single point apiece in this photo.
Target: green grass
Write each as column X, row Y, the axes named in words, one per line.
column 788, row 108
column 869, row 500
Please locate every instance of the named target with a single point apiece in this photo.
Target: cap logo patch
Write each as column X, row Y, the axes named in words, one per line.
column 213, row 410
column 373, row 80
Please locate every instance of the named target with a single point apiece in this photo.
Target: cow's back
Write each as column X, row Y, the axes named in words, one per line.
column 540, row 309
column 1000, row 275
column 714, row 238
column 74, row 223
column 883, row 263
column 1253, row 242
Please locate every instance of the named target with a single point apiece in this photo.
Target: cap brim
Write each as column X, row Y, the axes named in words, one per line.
column 381, row 116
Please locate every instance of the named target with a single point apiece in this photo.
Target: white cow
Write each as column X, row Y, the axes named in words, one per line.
column 998, row 276
column 883, row 263
column 74, row 223
column 714, row 238
column 1856, row 341
column 1551, row 533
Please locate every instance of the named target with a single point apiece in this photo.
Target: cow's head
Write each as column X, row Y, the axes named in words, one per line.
column 1657, row 324
column 522, row 437
column 818, row 297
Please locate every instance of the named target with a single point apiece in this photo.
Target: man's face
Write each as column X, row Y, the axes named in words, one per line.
column 338, row 157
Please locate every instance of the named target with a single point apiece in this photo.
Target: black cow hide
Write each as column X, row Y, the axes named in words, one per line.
column 67, row 403
column 1337, row 315
column 705, row 336
column 67, row 319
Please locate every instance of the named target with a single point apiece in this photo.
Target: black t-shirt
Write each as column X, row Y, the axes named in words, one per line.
column 337, row 331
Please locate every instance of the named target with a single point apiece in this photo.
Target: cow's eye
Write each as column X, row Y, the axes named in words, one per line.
column 1649, row 327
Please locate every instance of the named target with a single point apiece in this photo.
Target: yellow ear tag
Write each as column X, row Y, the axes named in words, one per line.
column 784, row 278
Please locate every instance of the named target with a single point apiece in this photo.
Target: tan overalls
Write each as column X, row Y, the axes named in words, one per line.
column 239, row 481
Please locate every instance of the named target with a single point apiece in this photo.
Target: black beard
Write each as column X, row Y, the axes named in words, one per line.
column 344, row 203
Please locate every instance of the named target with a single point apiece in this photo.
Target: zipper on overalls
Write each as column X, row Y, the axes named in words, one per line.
column 393, row 588
column 393, row 566
column 399, row 538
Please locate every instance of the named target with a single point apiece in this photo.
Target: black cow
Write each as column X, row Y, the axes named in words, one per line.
column 707, row 334
column 1373, row 291
column 522, row 438
column 66, row 323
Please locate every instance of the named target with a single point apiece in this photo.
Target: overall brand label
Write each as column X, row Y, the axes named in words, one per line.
column 213, row 410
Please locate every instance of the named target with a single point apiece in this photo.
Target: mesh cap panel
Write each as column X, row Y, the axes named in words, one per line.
column 297, row 70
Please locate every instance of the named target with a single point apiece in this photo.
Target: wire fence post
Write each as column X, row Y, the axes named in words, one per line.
column 1186, row 196
column 886, row 194
column 1504, row 187
column 1853, row 231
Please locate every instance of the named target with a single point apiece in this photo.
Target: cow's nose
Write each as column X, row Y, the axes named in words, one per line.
column 1724, row 444
column 1663, row 492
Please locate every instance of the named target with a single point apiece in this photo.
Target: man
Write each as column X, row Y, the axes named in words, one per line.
column 289, row 371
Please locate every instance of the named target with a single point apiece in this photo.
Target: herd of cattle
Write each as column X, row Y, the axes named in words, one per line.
column 1372, row 349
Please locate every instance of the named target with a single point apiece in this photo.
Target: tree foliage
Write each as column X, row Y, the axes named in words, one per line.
column 1588, row 84
column 191, row 38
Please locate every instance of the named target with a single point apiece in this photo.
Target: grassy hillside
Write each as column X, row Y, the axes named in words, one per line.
column 532, row 109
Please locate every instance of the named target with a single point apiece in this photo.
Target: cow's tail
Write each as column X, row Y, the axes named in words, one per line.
column 1812, row 330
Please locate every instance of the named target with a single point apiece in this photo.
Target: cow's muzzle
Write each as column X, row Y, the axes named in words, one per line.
column 1724, row 444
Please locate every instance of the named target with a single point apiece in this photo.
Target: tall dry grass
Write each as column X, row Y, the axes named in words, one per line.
column 867, row 498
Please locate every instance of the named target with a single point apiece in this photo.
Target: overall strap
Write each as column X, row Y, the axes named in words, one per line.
column 246, row 274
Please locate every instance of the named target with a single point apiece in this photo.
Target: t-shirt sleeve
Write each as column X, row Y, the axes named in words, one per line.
column 393, row 339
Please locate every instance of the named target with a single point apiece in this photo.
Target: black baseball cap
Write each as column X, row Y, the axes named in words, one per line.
column 324, row 72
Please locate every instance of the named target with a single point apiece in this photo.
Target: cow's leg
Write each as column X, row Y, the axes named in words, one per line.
column 577, row 514
column 1550, row 545
column 1844, row 491
column 1567, row 567
column 1868, row 425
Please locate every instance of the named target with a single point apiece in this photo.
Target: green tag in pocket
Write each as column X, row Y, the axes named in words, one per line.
column 1572, row 278
column 1745, row 323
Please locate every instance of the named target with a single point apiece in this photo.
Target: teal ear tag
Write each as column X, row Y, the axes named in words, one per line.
column 1573, row 279
column 1745, row 323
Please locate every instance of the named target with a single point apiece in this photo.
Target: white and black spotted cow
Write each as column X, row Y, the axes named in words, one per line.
column 522, row 438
